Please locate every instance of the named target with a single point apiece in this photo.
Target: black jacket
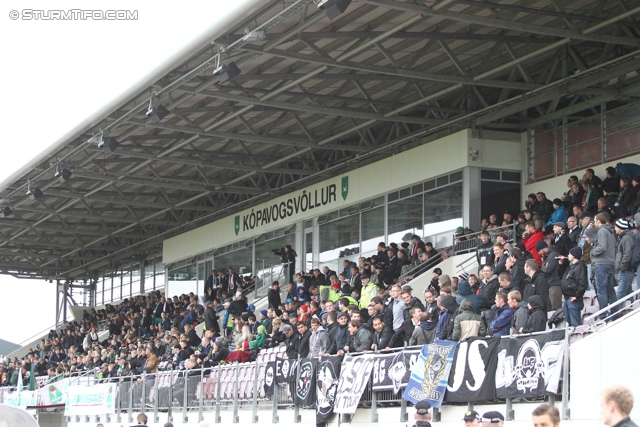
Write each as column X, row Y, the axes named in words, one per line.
column 489, row 291
column 563, row 243
column 537, row 285
column 383, row 339
column 517, row 274
column 537, row 321
column 302, row 343
column 575, row 281
column 485, row 250
column 273, row 296
column 338, row 338
column 211, row 320
column 550, row 267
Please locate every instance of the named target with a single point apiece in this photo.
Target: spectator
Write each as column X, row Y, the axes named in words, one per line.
column 590, row 195
column 537, row 320
column 273, row 296
column 382, row 334
column 624, row 255
column 536, row 284
column 500, row 259
column 561, row 239
column 489, row 285
column 603, row 256
column 520, row 311
column 551, row 270
column 573, row 231
column 516, row 269
column 484, row 251
column 467, row 323
column 505, row 283
column 501, row 324
column 586, row 223
column 360, row 337
column 424, row 332
column 319, row 340
column 545, row 208
column 611, row 185
column 477, row 301
column 303, row 340
column 620, row 207
column 546, row 416
column 448, row 311
column 396, row 307
column 559, row 213
column 530, row 238
column 574, row 285
column 603, row 206
column 340, row 337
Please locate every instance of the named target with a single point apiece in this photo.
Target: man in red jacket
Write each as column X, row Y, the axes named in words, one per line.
column 530, row 237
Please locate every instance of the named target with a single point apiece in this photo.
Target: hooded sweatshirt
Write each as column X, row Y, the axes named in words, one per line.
column 537, row 321
column 467, row 323
column 624, row 254
column 465, row 293
column 447, row 316
column 319, row 342
column 603, row 250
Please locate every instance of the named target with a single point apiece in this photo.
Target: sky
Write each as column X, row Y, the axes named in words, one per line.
column 57, row 73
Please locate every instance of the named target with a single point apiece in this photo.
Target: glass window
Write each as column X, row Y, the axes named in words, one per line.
column 405, row 219
column 271, row 262
column 442, row 214
column 308, row 252
column 240, row 260
column 182, row 280
column 337, row 237
column 372, row 230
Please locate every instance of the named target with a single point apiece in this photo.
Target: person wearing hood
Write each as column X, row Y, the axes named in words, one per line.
column 478, row 301
column 559, row 213
column 434, row 285
column 444, row 280
column 301, row 294
column 603, row 257
column 425, row 332
column 448, row 310
column 520, row 311
column 624, row 257
column 260, row 338
column 537, row 321
column 574, row 285
column 536, row 283
column 550, row 268
column 467, row 323
column 319, row 341
column 501, row 324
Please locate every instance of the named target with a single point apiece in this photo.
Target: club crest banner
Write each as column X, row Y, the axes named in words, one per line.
column 430, row 374
column 530, row 366
column 327, row 378
column 392, row 371
column 269, row 378
column 354, row 378
column 306, row 383
column 286, row 370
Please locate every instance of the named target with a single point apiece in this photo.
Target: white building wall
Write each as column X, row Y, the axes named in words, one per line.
column 440, row 157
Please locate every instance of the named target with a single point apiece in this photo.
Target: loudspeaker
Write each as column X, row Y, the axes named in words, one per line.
column 158, row 114
column 334, row 8
column 109, row 145
column 229, row 72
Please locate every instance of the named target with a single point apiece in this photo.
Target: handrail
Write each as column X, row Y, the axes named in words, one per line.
column 469, row 243
column 423, row 267
column 590, row 318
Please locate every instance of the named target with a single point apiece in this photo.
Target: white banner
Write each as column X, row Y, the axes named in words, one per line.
column 354, row 377
column 21, row 399
column 54, row 393
column 92, row 400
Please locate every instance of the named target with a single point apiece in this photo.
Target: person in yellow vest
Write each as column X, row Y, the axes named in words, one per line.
column 369, row 290
column 334, row 295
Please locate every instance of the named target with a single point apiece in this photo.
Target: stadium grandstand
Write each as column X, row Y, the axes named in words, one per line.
column 337, row 209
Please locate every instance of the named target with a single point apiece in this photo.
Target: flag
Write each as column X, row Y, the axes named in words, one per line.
column 19, row 383
column 32, row 379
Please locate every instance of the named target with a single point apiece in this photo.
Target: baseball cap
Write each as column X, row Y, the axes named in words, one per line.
column 470, row 416
column 423, row 408
column 492, row 417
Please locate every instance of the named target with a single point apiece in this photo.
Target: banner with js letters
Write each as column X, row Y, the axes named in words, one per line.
column 354, row 378
column 530, row 366
column 392, row 371
column 430, row 374
column 473, row 375
column 92, row 400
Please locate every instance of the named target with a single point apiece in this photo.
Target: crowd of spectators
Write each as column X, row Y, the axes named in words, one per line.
column 562, row 248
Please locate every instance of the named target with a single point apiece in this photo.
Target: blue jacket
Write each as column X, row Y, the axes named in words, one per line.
column 189, row 319
column 559, row 215
column 501, row 324
column 465, row 293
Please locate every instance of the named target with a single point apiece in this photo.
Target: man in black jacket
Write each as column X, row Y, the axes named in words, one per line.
column 536, row 283
column 302, row 342
column 211, row 319
column 382, row 335
column 484, row 251
column 551, row 269
column 273, row 297
column 616, row 405
column 574, row 285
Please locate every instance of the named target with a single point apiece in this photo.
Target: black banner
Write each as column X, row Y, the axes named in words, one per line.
column 306, row 384
column 473, row 374
column 286, row 370
column 392, row 371
column 530, row 366
column 327, row 378
column 269, row 378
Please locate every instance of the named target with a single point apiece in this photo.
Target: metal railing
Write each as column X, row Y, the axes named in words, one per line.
column 270, row 274
column 182, row 394
column 612, row 311
column 426, row 266
column 469, row 242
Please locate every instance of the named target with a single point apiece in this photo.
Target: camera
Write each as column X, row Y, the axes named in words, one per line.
column 278, row 252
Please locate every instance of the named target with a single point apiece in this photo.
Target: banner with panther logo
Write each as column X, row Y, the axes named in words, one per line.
column 430, row 374
column 354, row 378
column 327, row 378
column 392, row 371
column 530, row 366
column 306, row 383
